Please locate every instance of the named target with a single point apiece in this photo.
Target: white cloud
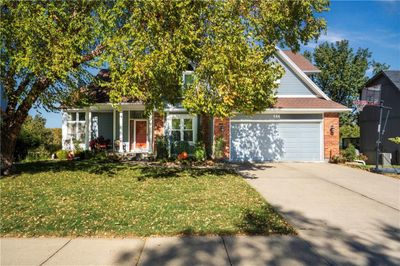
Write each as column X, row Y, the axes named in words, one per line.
column 331, row 36
column 379, row 37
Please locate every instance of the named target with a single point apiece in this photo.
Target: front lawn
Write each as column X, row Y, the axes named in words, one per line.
column 97, row 198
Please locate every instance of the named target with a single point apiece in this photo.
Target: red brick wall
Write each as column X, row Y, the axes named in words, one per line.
column 205, row 134
column 331, row 139
column 158, row 127
column 221, row 128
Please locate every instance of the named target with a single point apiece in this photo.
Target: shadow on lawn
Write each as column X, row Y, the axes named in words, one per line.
column 110, row 168
column 98, row 167
column 154, row 172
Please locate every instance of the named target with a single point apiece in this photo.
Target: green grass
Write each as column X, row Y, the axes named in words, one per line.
column 94, row 198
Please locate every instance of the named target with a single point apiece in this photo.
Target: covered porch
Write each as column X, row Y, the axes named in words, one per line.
column 126, row 130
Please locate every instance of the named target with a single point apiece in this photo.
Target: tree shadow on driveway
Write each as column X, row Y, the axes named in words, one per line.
column 319, row 243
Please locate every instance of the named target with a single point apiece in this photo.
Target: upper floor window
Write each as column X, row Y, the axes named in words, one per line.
column 188, row 78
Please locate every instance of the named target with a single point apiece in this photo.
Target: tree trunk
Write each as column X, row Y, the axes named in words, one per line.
column 9, row 134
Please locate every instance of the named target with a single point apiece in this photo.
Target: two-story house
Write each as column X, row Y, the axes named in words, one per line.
column 302, row 126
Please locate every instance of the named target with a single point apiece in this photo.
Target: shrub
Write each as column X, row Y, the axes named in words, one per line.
column 39, row 153
column 362, row 157
column 349, row 153
column 219, row 147
column 338, row 159
column 62, row 154
column 181, row 146
column 162, row 148
column 200, row 153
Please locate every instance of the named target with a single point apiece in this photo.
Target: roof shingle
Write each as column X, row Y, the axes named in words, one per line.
column 301, row 61
column 308, row 103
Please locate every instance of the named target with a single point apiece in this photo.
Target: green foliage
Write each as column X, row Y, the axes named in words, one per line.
column 350, row 131
column 200, row 153
column 162, row 148
column 395, row 140
column 343, row 73
column 342, row 70
column 100, row 198
column 349, row 154
column 56, row 140
column 378, row 67
column 229, row 43
column 178, row 147
column 62, row 154
column 48, row 49
column 219, row 148
column 34, row 137
column 37, row 154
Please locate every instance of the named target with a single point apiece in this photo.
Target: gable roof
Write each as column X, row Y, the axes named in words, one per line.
column 303, row 63
column 392, row 75
column 309, row 103
column 301, row 74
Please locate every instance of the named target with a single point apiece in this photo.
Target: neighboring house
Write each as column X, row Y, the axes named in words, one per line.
column 303, row 126
column 389, row 81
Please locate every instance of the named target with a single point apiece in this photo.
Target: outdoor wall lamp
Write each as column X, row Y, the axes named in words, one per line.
column 221, row 127
column 332, row 130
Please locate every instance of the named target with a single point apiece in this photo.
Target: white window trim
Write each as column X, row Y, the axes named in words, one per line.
column 181, row 117
column 76, row 122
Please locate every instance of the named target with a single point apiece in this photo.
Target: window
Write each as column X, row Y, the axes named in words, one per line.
column 182, row 128
column 76, row 126
column 188, row 78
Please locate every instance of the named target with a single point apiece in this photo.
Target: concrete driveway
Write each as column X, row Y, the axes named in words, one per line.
column 349, row 216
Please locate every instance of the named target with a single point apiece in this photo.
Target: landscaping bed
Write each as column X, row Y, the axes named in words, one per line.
column 102, row 198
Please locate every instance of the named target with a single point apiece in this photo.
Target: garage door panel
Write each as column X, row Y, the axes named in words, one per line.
column 255, row 142
column 266, row 141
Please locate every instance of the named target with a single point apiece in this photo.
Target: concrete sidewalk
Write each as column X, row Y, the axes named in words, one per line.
column 204, row 250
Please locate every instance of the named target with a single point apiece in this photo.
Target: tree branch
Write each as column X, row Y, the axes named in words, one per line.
column 97, row 51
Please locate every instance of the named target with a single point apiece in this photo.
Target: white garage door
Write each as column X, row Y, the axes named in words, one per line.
column 275, row 141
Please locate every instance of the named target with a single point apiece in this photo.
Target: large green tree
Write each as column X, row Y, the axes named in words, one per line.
column 49, row 46
column 343, row 73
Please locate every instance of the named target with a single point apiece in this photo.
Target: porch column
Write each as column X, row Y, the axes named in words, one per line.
column 86, row 130
column 114, row 128
column 89, row 135
column 121, row 149
column 150, row 135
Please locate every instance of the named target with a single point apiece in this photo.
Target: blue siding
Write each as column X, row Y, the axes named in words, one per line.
column 102, row 125
column 125, row 126
column 291, row 84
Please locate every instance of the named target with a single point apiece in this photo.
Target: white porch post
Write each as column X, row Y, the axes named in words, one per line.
column 64, row 129
column 86, row 130
column 121, row 149
column 89, row 135
column 150, row 135
column 114, row 126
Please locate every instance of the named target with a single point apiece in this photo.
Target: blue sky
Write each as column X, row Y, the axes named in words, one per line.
column 368, row 24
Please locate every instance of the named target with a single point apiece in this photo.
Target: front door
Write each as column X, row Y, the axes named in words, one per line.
column 138, row 134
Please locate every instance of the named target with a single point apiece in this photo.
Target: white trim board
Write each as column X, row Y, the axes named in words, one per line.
column 295, row 96
column 278, row 121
